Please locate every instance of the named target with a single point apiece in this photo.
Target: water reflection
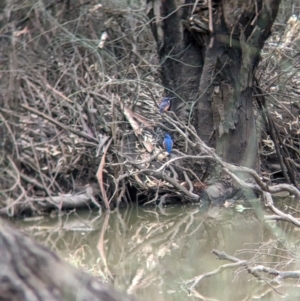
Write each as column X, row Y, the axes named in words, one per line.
column 151, row 252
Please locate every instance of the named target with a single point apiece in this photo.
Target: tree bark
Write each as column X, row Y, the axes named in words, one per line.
column 181, row 56
column 30, row 272
column 209, row 52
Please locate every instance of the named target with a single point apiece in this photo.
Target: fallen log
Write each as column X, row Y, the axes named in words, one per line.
column 32, row 272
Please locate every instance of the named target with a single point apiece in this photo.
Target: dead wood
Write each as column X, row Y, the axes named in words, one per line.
column 256, row 270
column 85, row 112
column 29, row 272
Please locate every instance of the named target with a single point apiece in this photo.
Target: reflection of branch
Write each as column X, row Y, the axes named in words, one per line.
column 275, row 218
column 163, row 236
column 220, row 269
column 36, row 273
column 280, row 275
column 140, row 282
column 287, row 217
column 100, row 245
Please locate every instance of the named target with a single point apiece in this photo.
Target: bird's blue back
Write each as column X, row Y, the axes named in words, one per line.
column 168, row 143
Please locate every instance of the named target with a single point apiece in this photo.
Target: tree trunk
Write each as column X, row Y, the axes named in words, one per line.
column 209, row 53
column 29, row 272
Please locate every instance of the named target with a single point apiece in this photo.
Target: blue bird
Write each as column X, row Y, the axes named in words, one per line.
column 168, row 143
column 165, row 104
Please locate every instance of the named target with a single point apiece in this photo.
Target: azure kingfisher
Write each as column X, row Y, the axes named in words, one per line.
column 165, row 104
column 168, row 143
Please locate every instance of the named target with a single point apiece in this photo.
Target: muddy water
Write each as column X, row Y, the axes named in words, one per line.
column 154, row 253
